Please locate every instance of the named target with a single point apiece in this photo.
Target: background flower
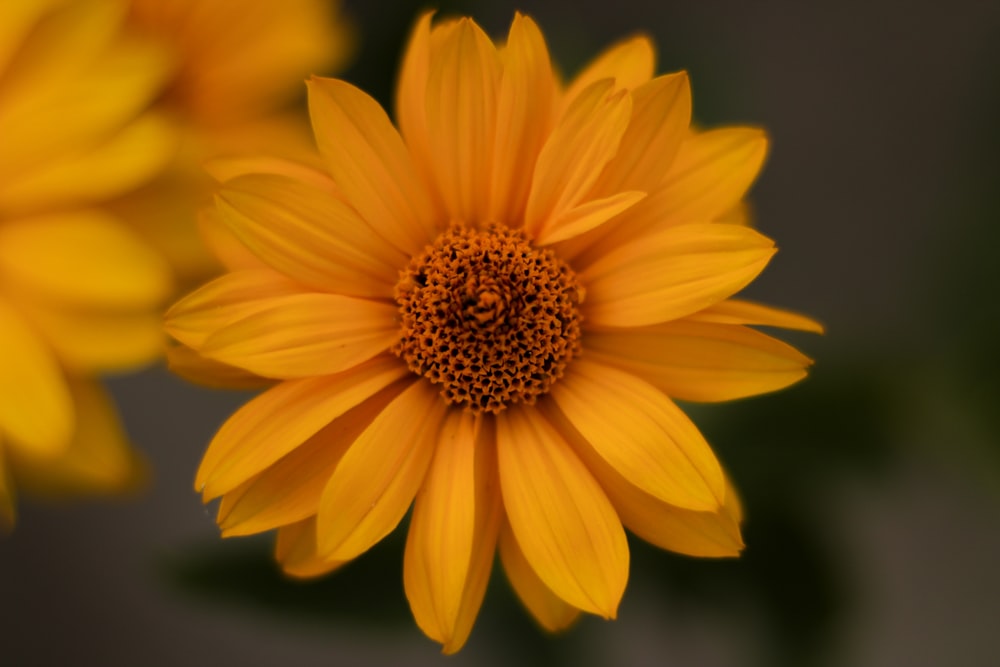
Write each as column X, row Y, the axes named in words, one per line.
column 870, row 489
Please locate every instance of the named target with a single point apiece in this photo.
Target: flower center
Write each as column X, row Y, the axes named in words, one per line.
column 488, row 317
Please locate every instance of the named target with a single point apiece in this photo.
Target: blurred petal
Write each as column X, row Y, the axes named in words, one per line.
column 701, row 361
column 191, row 366
column 736, row 311
column 630, row 63
column 36, row 409
column 282, row 418
column 83, row 258
column 550, row 610
column 641, row 434
column 566, row 527
column 8, row 510
column 673, row 273
column 370, row 164
column 379, row 475
column 295, row 551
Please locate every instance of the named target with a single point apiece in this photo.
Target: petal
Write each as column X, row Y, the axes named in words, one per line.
column 461, row 118
column 550, row 610
column 452, row 537
column 226, row 168
column 295, row 551
column 370, row 164
column 304, row 335
column 282, row 418
column 673, row 273
column 565, row 525
column 587, row 216
column 524, row 119
column 289, row 490
column 8, row 509
column 224, row 245
column 736, row 311
column 411, row 95
column 36, row 409
column 573, row 156
column 661, row 113
column 227, row 299
column 310, row 235
column 84, row 258
column 630, row 63
column 99, row 459
column 714, row 534
column 379, row 475
column 123, row 162
column 701, row 361
column 641, row 434
column 191, row 366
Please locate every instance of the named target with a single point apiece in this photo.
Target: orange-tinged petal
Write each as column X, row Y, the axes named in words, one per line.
column 83, row 258
column 99, row 458
column 295, row 551
column 289, row 490
column 550, row 610
column 565, row 525
column 193, row 367
column 737, row 311
column 303, row 335
column 310, row 235
column 712, row 172
column 8, row 512
column 379, row 475
column 226, row 168
column 282, row 418
column 370, row 164
column 524, row 119
column 36, row 409
column 701, row 361
column 123, row 162
column 20, row 17
column 641, row 434
column 461, row 118
column 587, row 216
column 573, row 156
column 630, row 63
column 661, row 113
column 223, row 244
column 673, row 273
column 227, row 299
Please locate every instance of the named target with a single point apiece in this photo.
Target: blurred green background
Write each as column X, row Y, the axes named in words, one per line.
column 872, row 489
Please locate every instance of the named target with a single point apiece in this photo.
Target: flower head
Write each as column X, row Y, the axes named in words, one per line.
column 485, row 315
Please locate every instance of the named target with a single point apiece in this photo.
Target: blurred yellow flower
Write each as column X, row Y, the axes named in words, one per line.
column 79, row 292
column 484, row 315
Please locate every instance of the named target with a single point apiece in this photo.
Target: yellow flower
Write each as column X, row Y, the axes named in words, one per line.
column 79, row 292
column 238, row 64
column 485, row 315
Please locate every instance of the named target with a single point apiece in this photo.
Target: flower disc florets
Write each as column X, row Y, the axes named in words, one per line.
column 488, row 317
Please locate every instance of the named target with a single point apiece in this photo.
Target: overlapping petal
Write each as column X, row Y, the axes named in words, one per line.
column 630, row 63
column 295, row 551
column 550, row 610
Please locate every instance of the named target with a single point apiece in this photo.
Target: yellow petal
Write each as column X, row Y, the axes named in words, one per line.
column 191, row 366
column 573, row 156
column 701, row 361
column 20, row 17
column 370, row 164
column 587, row 216
column 641, row 434
column 714, row 534
column 736, row 311
column 310, row 235
column 224, row 245
column 461, row 118
column 282, row 418
column 227, row 299
column 226, row 168
column 550, row 610
column 563, row 522
column 524, row 119
column 295, row 551
column 123, row 162
column 673, row 273
column 304, row 335
column 661, row 113
column 712, row 172
column 84, row 258
column 379, row 475
column 289, row 490
column 36, row 409
column 630, row 63
column 99, row 460
column 452, row 537
column 8, row 510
